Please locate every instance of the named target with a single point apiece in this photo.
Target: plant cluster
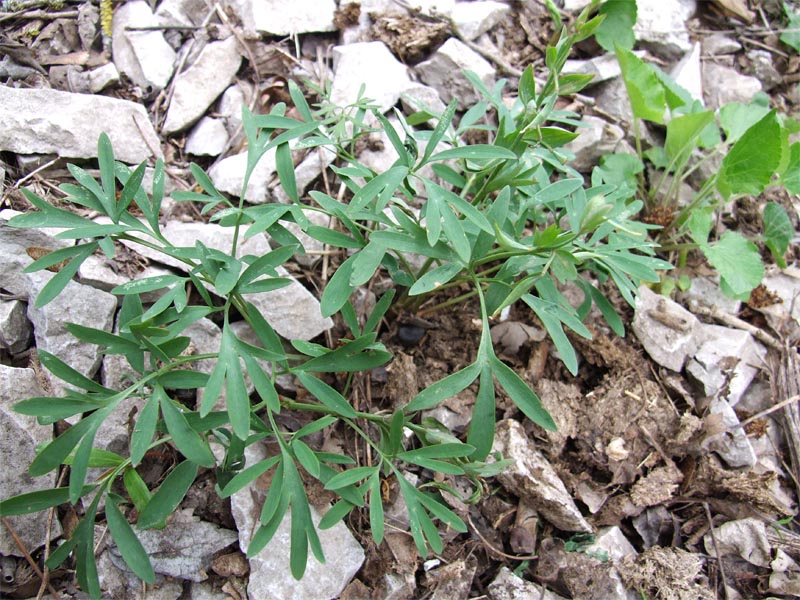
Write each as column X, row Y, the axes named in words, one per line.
column 498, row 223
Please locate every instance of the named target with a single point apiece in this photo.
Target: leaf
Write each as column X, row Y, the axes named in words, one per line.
column 349, row 477
column 778, row 231
column 438, row 132
column 376, row 518
column 475, row 152
column 335, row 513
column 444, row 388
column 737, row 261
column 683, row 133
column 451, row 450
column 285, row 168
column 60, row 280
column 522, row 395
column 40, row 500
column 137, row 489
column 250, row 474
column 790, row 179
column 435, row 278
column 644, row 90
column 169, row 494
column 338, row 289
column 133, row 553
column 791, row 33
column 105, row 156
column 236, row 396
column 736, row 118
column 306, row 457
column 327, row 395
column 755, row 157
column 188, row 441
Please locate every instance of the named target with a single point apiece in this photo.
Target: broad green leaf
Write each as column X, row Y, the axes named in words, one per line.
column 683, row 133
column 188, row 441
column 481, row 428
column 435, row 278
column 335, row 513
column 791, row 33
column 737, row 261
column 699, row 225
column 236, row 396
column 790, row 179
column 644, row 90
column 327, row 395
column 306, row 457
column 49, row 410
column 778, row 231
column 147, row 284
column 133, row 553
column 736, row 118
column 48, row 217
column 749, row 166
column 169, row 495
column 617, row 26
column 99, row 459
column 137, row 489
column 522, row 395
column 338, row 289
column 366, row 263
column 445, row 388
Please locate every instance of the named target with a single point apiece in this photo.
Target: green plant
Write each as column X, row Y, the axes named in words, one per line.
column 750, row 143
column 510, row 219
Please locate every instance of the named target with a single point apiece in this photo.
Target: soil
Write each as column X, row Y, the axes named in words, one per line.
column 631, row 445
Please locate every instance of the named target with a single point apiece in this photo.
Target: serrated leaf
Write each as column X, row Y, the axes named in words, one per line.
column 778, row 231
column 644, row 90
column 737, row 261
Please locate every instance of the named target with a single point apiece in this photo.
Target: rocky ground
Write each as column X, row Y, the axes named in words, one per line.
column 674, row 471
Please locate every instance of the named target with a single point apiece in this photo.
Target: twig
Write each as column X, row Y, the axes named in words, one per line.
column 28, row 556
column 765, row 46
column 162, row 28
column 738, row 323
column 38, row 14
column 490, row 546
column 716, row 549
column 35, row 171
column 765, row 412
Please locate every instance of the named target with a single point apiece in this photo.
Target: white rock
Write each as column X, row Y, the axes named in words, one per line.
column 21, row 434
column 101, row 77
column 290, row 17
column 732, row 445
column 688, row 73
column 41, row 121
column 476, row 18
column 196, row 89
column 668, row 332
column 705, row 292
column 726, row 362
column 718, row 44
column 97, row 272
column 614, row 542
column 270, row 577
column 603, row 67
column 723, row 85
column 786, row 286
column 745, row 538
column 144, row 56
column 14, row 258
column 763, row 68
column 78, row 304
column 421, row 97
column 661, row 26
column 181, row 12
column 228, row 176
column 15, row 329
column 507, row 586
column 597, row 139
column 576, row 5
column 532, row 477
column 445, row 72
column 292, row 311
column 207, row 138
column 230, row 107
column 373, row 65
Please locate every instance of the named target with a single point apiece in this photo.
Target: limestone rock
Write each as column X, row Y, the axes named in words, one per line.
column 724, row 84
column 688, row 73
column 43, row 121
column 444, row 71
column 371, row 64
column 532, row 477
column 732, row 444
column 507, row 586
column 20, row 436
column 476, row 18
column 196, row 89
column 290, row 17
column 661, row 26
column 15, row 329
column 144, row 56
column 595, row 140
column 228, row 176
column 208, row 138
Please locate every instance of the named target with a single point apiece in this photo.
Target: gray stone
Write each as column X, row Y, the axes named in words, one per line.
column 453, row 580
column 371, row 64
column 726, row 362
column 704, row 291
column 41, row 121
column 121, row 584
column 101, row 77
column 292, row 311
column 476, row 18
column 613, row 97
column 230, row 108
column 603, row 67
column 208, row 138
column 444, row 71
column 532, row 477
column 270, row 576
column 507, row 586
column 195, row 89
column 744, row 538
column 421, row 97
column 21, row 434
column 612, row 541
column 13, row 256
column 78, row 304
column 668, row 332
column 15, row 329
column 228, row 176
column 763, row 68
column 661, row 26
column 285, row 17
column 144, row 56
column 784, row 315
column 732, row 445
column 724, row 84
column 99, row 273
column 595, row 140
column 718, row 44
column 183, row 549
column 185, row 13
column 688, row 73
